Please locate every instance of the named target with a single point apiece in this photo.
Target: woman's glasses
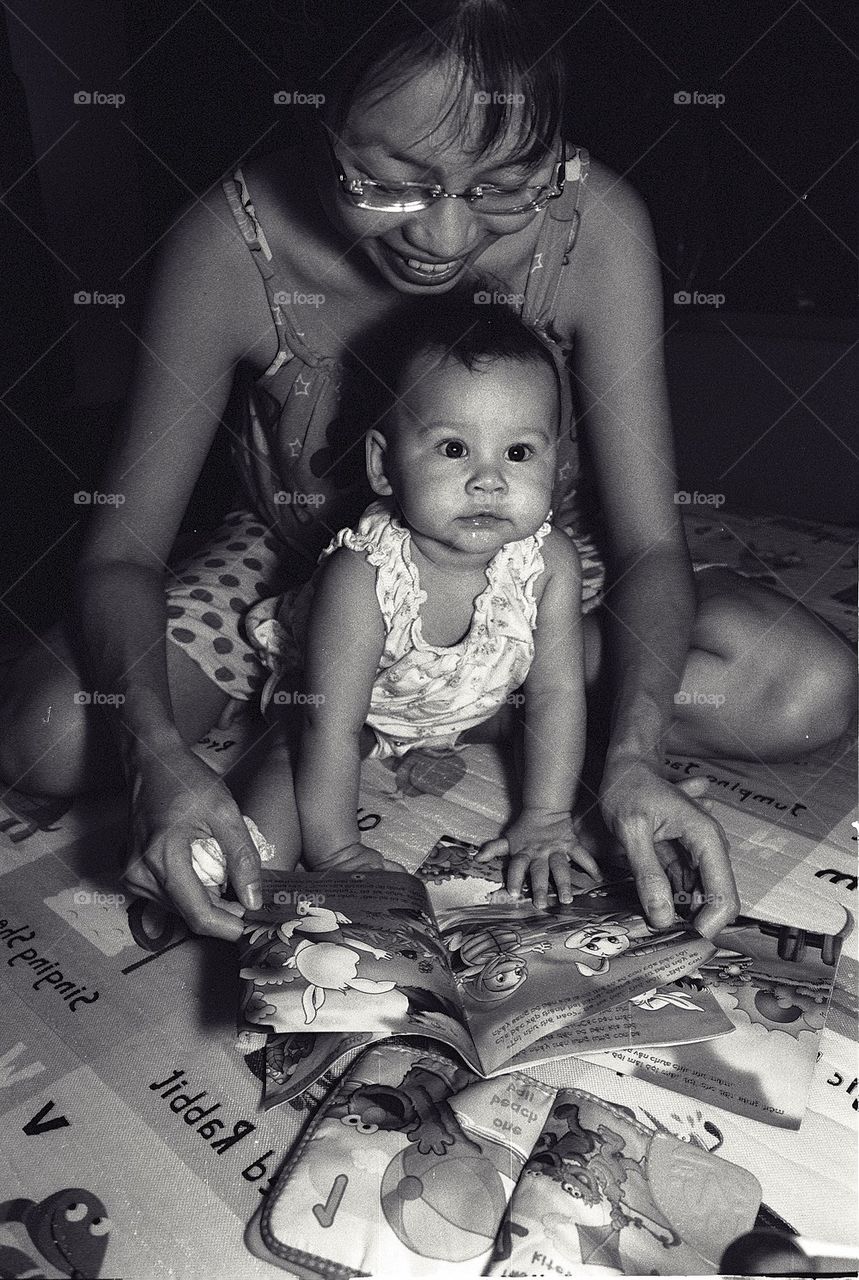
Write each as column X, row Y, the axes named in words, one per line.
column 410, row 197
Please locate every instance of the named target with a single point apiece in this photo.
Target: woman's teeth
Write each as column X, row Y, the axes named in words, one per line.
column 430, row 268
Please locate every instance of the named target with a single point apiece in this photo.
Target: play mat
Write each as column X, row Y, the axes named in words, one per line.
column 134, row 1143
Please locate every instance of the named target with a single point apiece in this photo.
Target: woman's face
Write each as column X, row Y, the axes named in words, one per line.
column 399, row 138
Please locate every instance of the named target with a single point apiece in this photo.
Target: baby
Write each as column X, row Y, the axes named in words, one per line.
column 452, row 592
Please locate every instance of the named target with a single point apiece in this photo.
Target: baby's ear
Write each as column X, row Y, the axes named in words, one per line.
column 376, row 447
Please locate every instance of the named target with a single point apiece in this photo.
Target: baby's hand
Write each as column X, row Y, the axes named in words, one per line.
column 541, row 844
column 354, row 857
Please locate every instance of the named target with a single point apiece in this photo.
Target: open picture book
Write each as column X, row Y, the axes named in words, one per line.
column 360, row 957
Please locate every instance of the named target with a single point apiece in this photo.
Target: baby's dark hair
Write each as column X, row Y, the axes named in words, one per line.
column 466, row 326
column 508, row 50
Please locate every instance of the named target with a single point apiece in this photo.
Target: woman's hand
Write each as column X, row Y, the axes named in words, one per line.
column 541, row 845
column 175, row 799
column 641, row 810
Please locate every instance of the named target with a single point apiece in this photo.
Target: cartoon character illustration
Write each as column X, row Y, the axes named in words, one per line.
column 312, row 920
column 597, row 944
column 492, row 961
column 591, row 1165
column 418, row 1107
column 660, row 998
column 440, row 1195
column 69, row 1229
column 325, row 966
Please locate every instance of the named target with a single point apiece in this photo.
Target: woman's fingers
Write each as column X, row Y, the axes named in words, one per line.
column 651, row 882
column 243, row 863
column 717, row 890
column 177, row 887
column 200, row 911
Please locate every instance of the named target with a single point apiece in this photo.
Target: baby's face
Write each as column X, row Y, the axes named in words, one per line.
column 471, row 456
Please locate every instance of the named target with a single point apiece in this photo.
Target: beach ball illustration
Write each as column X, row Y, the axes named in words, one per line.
column 446, row 1207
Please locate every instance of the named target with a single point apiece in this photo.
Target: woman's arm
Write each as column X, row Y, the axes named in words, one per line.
column 541, row 841
column 345, row 637
column 204, row 292
column 615, row 308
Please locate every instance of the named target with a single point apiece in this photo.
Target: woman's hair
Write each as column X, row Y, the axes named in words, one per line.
column 509, row 54
column 466, row 326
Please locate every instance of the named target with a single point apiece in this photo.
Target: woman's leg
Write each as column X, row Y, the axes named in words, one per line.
column 53, row 743
column 764, row 679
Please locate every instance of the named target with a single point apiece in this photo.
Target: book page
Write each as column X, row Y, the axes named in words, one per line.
column 774, row 984
column 357, row 952
column 524, row 974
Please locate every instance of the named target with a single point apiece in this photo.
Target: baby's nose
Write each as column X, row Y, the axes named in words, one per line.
column 487, row 479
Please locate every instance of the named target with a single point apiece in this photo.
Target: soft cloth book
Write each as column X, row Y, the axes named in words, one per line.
column 506, row 985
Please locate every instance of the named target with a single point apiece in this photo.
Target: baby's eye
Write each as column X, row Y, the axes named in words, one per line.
column 453, row 449
column 519, row 453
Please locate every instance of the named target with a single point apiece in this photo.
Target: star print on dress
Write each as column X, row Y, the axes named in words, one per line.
column 301, row 386
column 565, row 470
column 538, row 263
column 294, row 447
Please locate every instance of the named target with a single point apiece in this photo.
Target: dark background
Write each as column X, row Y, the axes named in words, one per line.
column 753, row 200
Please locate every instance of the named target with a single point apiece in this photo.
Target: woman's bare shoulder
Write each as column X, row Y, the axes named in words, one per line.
column 615, row 249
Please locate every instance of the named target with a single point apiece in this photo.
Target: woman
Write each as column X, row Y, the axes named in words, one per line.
column 457, row 100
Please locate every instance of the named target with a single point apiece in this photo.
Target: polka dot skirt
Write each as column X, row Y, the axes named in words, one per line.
column 209, row 594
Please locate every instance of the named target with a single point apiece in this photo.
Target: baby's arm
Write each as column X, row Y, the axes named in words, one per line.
column 345, row 637
column 542, row 840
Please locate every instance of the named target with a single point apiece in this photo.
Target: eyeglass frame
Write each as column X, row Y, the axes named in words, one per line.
column 437, row 192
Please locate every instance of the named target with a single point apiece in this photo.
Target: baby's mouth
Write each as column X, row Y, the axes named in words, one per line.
column 483, row 519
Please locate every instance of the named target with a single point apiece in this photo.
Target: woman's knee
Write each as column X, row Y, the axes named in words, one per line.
column 795, row 674
column 49, row 721
column 818, row 702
